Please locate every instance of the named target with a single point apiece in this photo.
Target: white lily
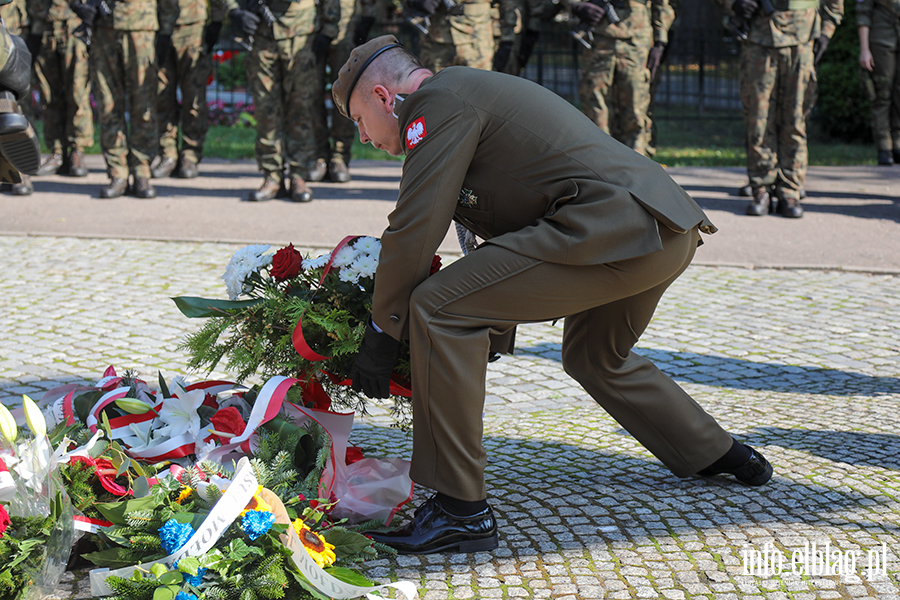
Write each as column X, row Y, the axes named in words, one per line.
column 179, row 413
column 7, row 425
column 34, row 417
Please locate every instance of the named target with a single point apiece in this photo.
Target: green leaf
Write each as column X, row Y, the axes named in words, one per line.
column 158, row 570
column 163, row 388
column 349, row 576
column 192, row 307
column 171, row 577
column 140, row 486
column 189, row 565
column 167, row 592
column 346, row 543
column 116, row 511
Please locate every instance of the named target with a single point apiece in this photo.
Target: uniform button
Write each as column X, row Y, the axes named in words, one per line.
column 395, row 318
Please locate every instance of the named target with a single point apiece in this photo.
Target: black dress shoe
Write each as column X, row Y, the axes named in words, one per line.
column 142, row 189
column 318, row 171
column 756, row 471
column 164, row 168
column 435, row 530
column 115, row 188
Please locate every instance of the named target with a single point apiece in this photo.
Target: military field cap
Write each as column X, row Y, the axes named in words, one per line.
column 360, row 59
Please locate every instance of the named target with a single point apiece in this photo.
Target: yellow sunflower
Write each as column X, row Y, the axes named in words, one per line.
column 186, row 492
column 257, row 503
column 321, row 551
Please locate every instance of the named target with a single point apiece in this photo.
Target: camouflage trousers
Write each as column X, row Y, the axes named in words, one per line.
column 454, row 40
column 778, row 89
column 188, row 67
column 614, row 89
column 337, row 140
column 882, row 87
column 125, row 79
column 63, row 77
column 283, row 82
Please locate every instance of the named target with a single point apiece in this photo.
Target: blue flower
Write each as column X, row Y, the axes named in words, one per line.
column 185, row 596
column 194, row 579
column 257, row 522
column 174, row 535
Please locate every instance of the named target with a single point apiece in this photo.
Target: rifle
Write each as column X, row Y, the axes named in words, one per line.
column 584, row 32
column 84, row 31
column 261, row 10
column 742, row 27
column 422, row 20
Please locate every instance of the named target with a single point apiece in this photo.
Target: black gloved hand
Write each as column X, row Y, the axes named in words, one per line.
column 211, row 35
column 501, row 56
column 819, row 47
column 361, row 32
column 372, row 368
column 163, row 47
column 745, row 9
column 34, row 42
column 588, row 13
column 529, row 40
column 85, row 12
column 655, row 58
column 424, row 6
column 245, row 20
column 320, row 47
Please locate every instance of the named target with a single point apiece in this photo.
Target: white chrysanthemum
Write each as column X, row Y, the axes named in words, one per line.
column 245, row 261
column 344, row 257
column 365, row 265
column 349, row 275
column 367, row 245
column 317, row 262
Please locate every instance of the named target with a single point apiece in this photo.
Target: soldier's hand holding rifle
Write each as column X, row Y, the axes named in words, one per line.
column 418, row 12
column 88, row 11
column 590, row 13
column 247, row 22
column 743, row 12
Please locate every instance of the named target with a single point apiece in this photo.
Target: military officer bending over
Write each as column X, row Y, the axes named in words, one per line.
column 578, row 227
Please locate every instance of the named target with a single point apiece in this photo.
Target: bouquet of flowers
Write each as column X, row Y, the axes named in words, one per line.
column 295, row 316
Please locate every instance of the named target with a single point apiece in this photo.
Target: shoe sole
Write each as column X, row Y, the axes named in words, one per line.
column 465, row 547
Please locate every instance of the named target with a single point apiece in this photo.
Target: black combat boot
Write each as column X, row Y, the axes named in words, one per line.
column 761, row 202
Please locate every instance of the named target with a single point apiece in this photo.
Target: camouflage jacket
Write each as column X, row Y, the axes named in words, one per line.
column 351, row 12
column 532, row 12
column 303, row 17
column 16, row 17
column 138, row 15
column 188, row 12
column 641, row 22
column 864, row 10
column 794, row 22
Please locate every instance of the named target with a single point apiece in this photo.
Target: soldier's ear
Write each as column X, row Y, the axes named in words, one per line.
column 383, row 97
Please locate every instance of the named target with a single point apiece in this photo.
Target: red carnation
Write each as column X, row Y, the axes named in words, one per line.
column 286, row 263
column 228, row 420
column 435, row 264
column 4, row 520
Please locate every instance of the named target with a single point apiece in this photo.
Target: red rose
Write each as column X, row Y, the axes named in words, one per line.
column 435, row 264
column 354, row 454
column 228, row 420
column 286, row 263
column 4, row 520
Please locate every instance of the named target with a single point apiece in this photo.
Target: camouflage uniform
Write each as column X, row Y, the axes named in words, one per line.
column 343, row 131
column 123, row 59
column 15, row 16
column 187, row 66
column 282, row 75
column 63, row 77
column 777, row 67
column 466, row 39
column 882, row 85
column 614, row 84
column 512, row 19
column 667, row 20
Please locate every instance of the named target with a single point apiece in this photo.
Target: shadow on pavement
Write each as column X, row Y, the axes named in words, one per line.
column 852, row 447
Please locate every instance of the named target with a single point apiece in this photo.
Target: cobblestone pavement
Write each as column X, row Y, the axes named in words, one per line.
column 802, row 364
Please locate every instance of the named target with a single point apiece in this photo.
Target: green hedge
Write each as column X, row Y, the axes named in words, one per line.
column 842, row 111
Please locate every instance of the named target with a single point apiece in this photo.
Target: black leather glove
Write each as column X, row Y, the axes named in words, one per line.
column 745, row 9
column 33, row 42
column 501, row 56
column 361, row 32
column 424, row 6
column 655, row 58
column 819, row 47
column 372, row 368
column 85, row 12
column 588, row 13
column 245, row 20
column 163, row 47
column 320, row 47
column 211, row 35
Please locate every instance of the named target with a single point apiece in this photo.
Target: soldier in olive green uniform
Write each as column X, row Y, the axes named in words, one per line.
column 356, row 20
column 15, row 16
column 878, row 23
column 187, row 64
column 123, row 59
column 614, row 83
column 459, row 33
column 63, row 77
column 282, row 75
column 778, row 89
